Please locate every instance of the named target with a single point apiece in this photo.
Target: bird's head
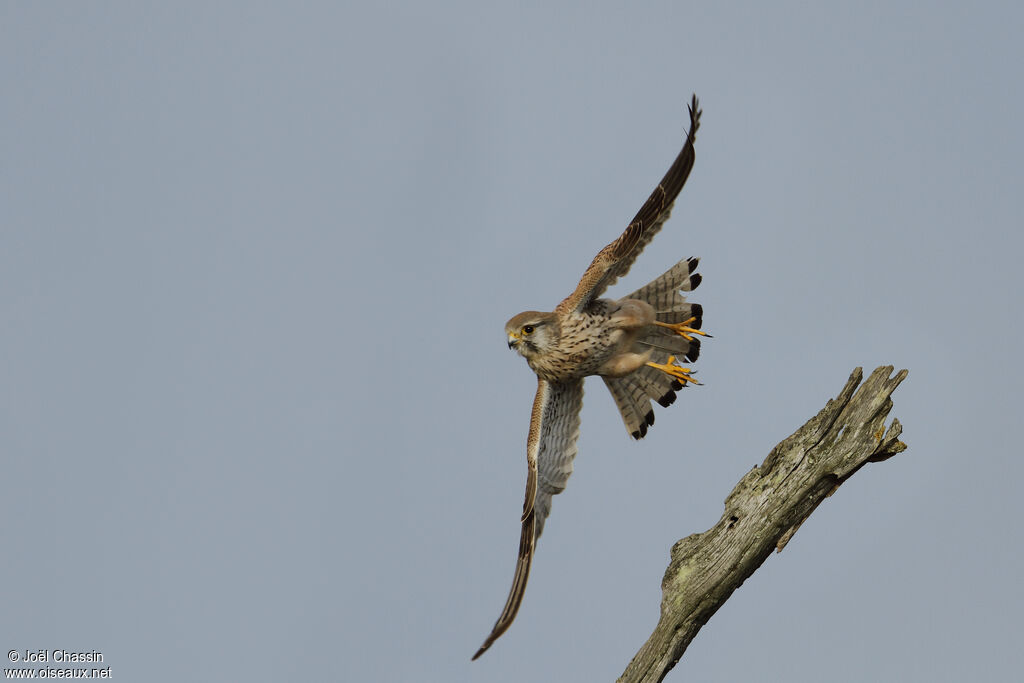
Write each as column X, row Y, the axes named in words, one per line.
column 531, row 333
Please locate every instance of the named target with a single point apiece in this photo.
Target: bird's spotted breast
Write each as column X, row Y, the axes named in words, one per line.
column 587, row 341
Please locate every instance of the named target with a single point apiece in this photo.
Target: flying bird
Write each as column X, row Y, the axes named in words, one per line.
column 633, row 343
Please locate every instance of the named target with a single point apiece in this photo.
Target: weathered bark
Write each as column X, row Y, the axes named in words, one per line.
column 764, row 510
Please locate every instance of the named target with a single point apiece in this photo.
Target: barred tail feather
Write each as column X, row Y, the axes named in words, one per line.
column 633, row 395
column 663, row 291
column 634, row 392
column 634, row 411
column 664, row 294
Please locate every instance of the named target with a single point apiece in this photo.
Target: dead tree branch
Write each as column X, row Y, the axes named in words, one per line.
column 764, row 510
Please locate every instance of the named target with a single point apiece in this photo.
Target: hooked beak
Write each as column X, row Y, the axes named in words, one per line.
column 513, row 339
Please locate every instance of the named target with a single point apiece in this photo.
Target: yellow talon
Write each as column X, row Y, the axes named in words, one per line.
column 681, row 328
column 677, row 371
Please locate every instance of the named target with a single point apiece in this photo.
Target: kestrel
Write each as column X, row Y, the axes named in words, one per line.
column 632, row 343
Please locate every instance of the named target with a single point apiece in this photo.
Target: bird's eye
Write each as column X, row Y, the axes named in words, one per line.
column 528, row 329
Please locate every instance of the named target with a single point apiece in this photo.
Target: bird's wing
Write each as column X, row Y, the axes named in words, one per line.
column 550, row 449
column 614, row 261
column 560, row 427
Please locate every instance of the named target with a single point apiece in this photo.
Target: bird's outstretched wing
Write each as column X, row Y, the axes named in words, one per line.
column 614, row 261
column 550, row 449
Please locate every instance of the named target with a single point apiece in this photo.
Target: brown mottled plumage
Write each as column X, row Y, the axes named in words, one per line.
column 632, row 343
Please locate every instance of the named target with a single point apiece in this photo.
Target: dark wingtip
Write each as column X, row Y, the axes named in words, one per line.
column 670, row 397
column 693, row 261
column 695, row 280
column 483, row 648
column 695, row 112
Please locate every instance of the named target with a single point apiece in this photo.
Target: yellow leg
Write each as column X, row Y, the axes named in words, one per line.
column 681, row 329
column 677, row 371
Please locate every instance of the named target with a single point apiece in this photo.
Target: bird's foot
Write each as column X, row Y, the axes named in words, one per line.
column 677, row 371
column 682, row 329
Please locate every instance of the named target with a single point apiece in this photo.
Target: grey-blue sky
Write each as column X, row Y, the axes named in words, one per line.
column 258, row 417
